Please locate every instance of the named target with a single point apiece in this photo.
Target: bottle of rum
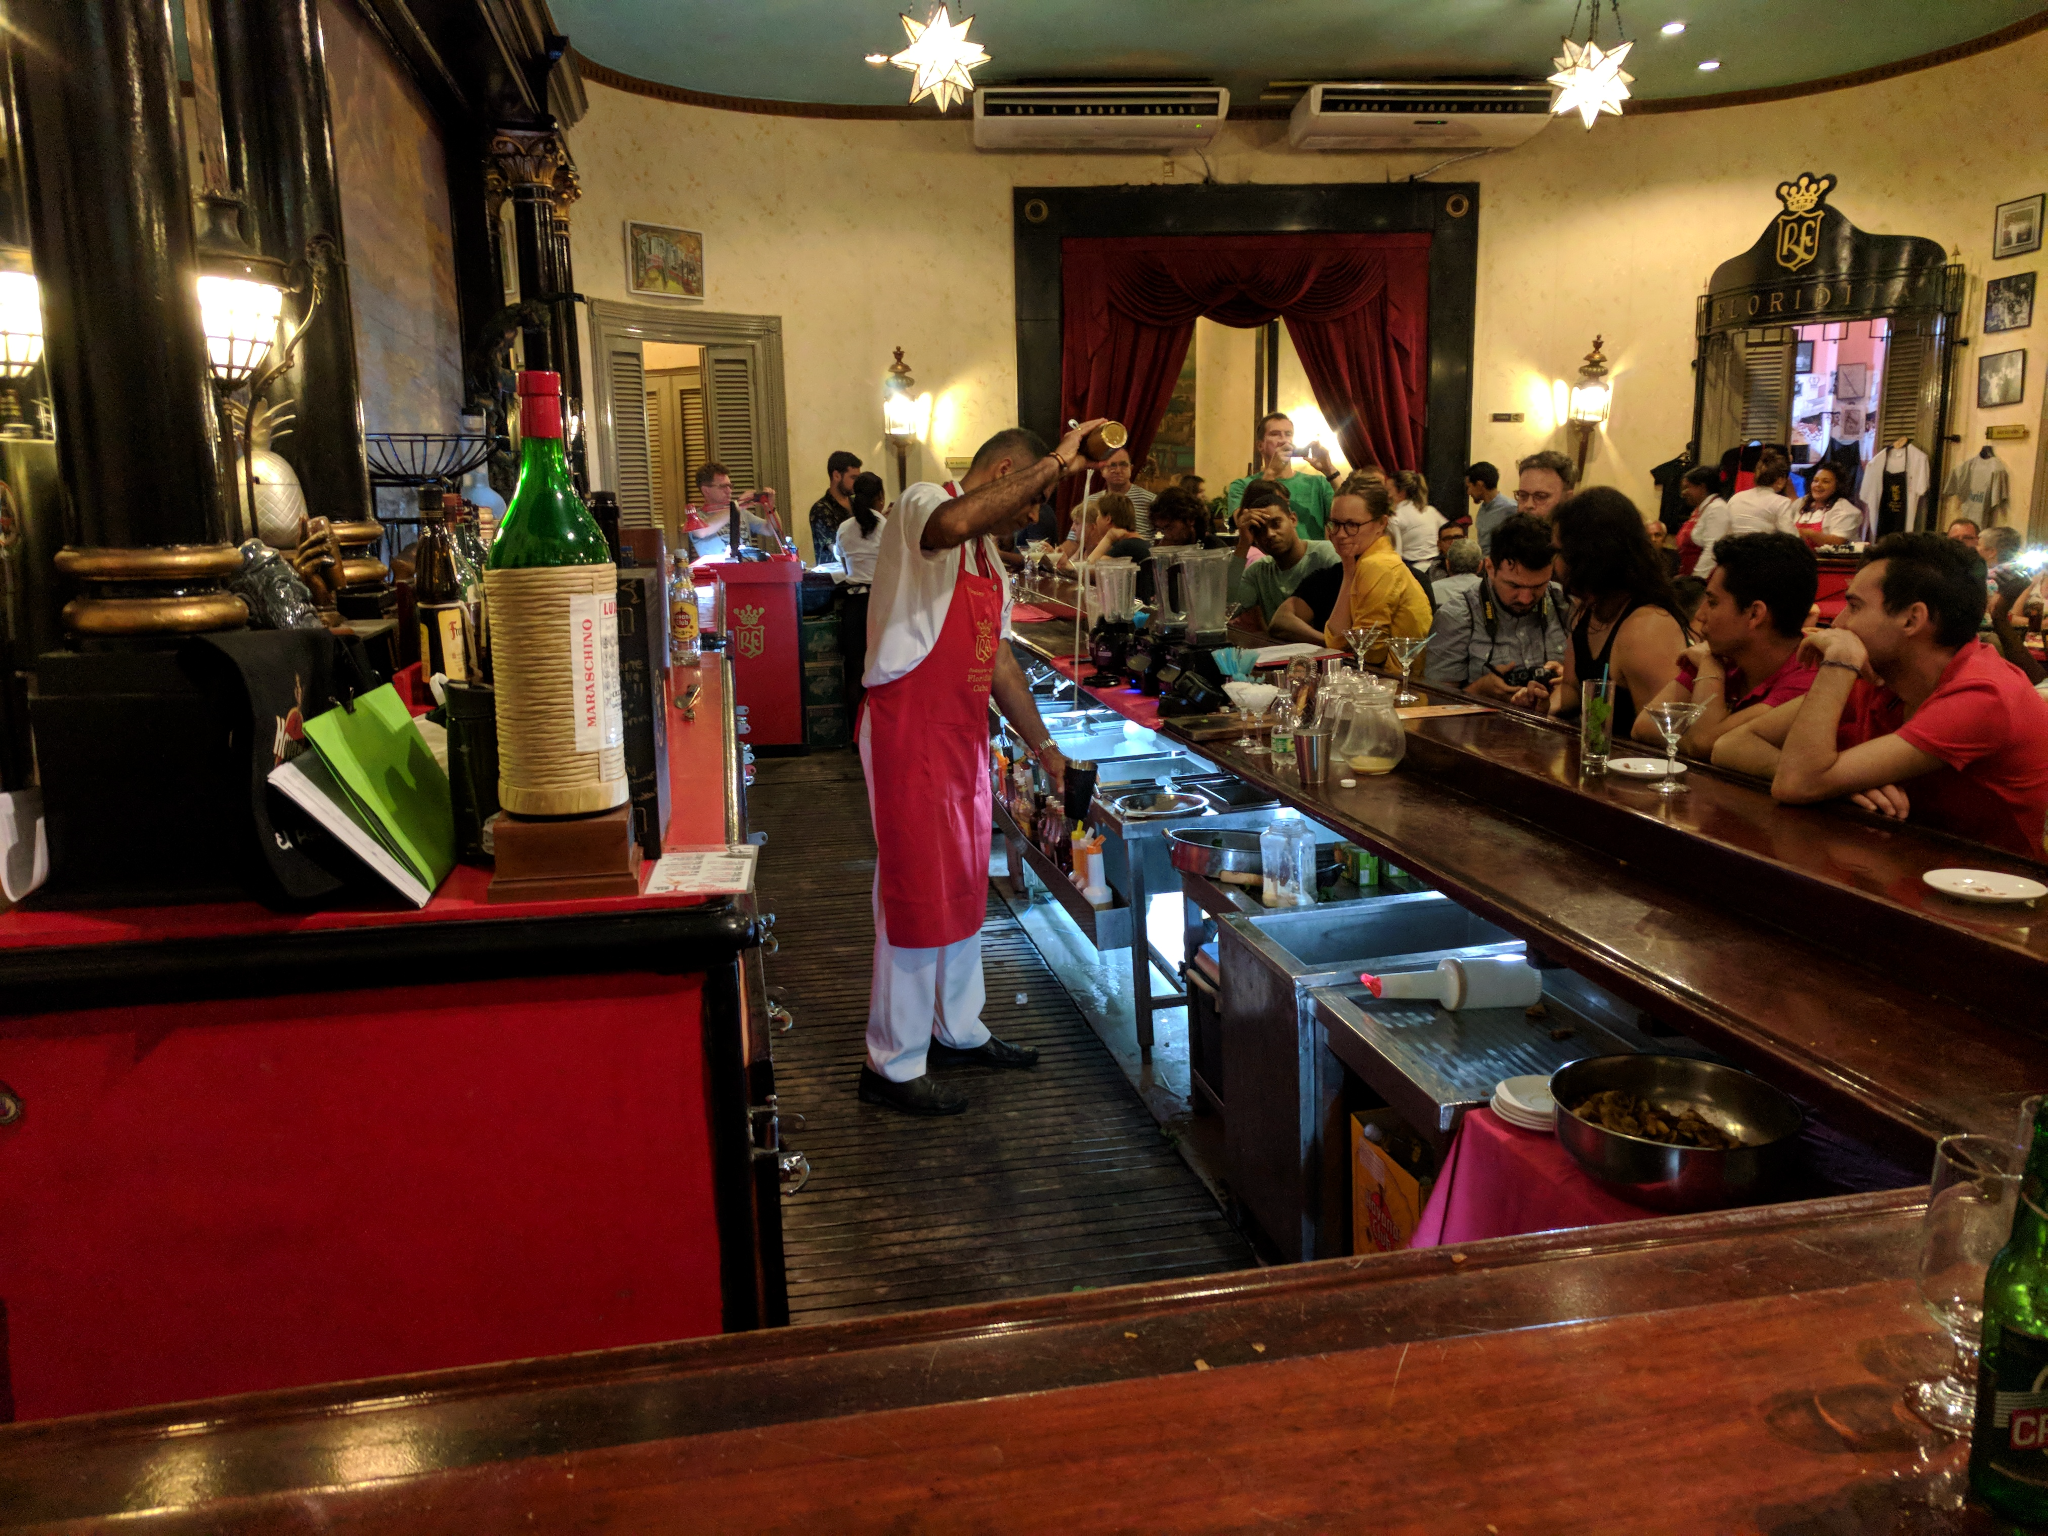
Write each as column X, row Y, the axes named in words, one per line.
column 2009, row 1448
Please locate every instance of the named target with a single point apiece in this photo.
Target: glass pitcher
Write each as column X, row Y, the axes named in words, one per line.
column 1370, row 738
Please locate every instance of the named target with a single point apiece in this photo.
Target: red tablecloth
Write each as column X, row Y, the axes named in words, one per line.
column 1498, row 1181
column 1128, row 702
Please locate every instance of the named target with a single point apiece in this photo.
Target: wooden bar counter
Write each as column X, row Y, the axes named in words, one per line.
column 1732, row 1373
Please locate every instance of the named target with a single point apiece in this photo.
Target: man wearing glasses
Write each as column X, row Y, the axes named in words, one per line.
column 1546, row 479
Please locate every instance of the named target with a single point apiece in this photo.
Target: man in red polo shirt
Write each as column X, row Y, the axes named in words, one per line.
column 1909, row 714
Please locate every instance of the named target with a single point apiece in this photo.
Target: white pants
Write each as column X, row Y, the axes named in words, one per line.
column 919, row 995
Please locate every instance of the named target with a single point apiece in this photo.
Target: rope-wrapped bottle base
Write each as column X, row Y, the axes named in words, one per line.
column 555, row 656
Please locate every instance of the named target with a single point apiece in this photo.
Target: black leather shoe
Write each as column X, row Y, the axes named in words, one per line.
column 991, row 1053
column 919, row 1096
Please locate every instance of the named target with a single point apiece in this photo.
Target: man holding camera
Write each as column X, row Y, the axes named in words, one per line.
column 1308, row 494
column 1507, row 629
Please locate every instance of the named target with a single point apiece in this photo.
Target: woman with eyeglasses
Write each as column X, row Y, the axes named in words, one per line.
column 1372, row 585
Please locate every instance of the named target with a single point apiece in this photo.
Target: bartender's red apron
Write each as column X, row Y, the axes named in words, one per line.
column 928, row 749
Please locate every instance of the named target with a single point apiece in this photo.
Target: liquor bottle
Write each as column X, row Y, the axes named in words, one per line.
column 438, row 599
column 684, row 623
column 553, row 594
column 2009, row 1448
column 604, row 507
column 469, row 570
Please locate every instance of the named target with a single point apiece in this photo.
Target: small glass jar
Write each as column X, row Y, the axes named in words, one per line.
column 1372, row 739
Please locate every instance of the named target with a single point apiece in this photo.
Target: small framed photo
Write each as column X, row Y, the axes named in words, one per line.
column 2009, row 302
column 1802, row 357
column 2001, row 378
column 663, row 262
column 2016, row 227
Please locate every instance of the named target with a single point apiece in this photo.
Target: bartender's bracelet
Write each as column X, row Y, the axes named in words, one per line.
column 1044, row 747
column 1054, row 455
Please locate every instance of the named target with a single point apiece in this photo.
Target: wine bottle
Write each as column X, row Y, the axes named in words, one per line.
column 438, row 599
column 553, row 599
column 2009, row 1447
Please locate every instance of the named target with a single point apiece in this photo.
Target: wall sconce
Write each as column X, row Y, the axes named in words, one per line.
column 241, row 302
column 903, row 416
column 21, row 335
column 1591, row 400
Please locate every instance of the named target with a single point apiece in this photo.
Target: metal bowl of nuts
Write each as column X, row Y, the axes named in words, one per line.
column 1675, row 1133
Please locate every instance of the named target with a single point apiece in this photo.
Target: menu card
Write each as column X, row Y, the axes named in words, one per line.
column 722, row 871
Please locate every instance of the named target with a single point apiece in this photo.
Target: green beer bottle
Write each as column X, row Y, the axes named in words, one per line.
column 2009, row 1448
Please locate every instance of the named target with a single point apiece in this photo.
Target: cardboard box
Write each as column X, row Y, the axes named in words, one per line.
column 821, row 638
column 824, row 683
column 825, row 726
column 1390, row 1182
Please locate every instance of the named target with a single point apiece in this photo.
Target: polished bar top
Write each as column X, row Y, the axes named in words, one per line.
column 1900, row 1042
column 1736, row 1371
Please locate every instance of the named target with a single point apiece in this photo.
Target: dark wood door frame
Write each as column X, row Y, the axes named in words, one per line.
column 1448, row 211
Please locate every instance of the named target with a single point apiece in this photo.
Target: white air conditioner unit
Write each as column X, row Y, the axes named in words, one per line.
column 1113, row 117
column 1409, row 115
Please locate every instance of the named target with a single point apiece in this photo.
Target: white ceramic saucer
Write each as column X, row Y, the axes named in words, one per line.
column 1642, row 767
column 1984, row 885
column 1525, row 1102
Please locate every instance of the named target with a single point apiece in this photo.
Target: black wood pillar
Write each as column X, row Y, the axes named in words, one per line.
column 525, row 162
column 111, row 234
column 274, row 107
column 568, row 189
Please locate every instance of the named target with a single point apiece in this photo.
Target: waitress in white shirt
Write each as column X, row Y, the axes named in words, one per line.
column 1825, row 516
column 937, row 615
column 1763, row 508
column 1415, row 522
column 858, row 540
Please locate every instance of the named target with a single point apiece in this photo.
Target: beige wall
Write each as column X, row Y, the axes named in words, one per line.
column 865, row 236
column 395, row 221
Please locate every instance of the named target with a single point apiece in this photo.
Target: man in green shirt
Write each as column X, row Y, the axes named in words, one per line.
column 1266, row 521
column 1309, row 493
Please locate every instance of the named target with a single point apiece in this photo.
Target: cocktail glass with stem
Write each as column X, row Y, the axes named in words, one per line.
column 1970, row 1204
column 1672, row 722
column 1362, row 638
column 1406, row 648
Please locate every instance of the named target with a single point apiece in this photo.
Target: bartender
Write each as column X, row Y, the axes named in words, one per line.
column 937, row 617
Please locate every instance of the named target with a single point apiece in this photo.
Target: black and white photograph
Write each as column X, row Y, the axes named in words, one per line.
column 1802, row 357
column 2001, row 378
column 2016, row 227
column 2009, row 303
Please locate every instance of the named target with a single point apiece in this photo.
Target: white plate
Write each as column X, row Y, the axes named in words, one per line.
column 1521, row 1123
column 1642, row 767
column 1984, row 885
column 1528, row 1096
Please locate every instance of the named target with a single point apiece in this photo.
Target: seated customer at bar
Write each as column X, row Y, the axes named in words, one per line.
column 1512, row 618
column 1626, row 623
column 1746, row 663
column 1910, row 715
column 1179, row 518
column 1265, row 523
column 1112, row 531
column 1373, row 585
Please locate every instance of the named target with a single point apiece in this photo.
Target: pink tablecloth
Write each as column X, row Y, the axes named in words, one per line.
column 1498, row 1181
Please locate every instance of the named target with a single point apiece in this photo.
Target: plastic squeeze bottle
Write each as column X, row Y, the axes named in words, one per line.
column 1487, row 981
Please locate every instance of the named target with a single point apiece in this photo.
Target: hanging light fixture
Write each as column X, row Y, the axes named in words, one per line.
column 905, row 417
column 939, row 56
column 1589, row 78
column 241, row 294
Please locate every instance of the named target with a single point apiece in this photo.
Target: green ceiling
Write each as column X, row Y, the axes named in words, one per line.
column 811, row 50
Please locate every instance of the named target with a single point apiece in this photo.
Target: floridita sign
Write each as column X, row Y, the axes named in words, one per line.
column 1812, row 263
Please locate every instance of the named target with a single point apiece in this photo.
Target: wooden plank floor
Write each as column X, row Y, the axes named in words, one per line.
column 1056, row 1179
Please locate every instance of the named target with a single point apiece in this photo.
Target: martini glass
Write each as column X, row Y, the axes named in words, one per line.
column 1672, row 722
column 1362, row 638
column 1406, row 649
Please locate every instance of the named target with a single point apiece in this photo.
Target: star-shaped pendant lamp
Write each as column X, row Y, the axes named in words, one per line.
column 940, row 57
column 1589, row 78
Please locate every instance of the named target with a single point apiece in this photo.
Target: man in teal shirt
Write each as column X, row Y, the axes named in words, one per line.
column 1309, row 493
column 1267, row 523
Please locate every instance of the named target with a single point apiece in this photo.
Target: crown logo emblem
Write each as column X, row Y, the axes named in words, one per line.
column 1804, row 195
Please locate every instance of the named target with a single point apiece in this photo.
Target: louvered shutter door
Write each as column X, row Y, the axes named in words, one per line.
column 1906, row 354
column 729, row 416
column 1767, row 395
column 690, row 400
column 657, row 455
column 632, row 472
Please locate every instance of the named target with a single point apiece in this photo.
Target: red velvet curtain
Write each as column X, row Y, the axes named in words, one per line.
column 1357, row 307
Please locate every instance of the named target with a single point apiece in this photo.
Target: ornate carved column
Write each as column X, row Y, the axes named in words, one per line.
column 528, row 160
column 568, row 191
column 112, row 237
column 274, row 107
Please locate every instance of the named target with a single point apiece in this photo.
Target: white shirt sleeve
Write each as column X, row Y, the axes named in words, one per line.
column 1843, row 520
column 1713, row 525
column 913, row 588
column 1787, row 518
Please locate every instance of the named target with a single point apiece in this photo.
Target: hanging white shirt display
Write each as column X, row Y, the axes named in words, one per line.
column 1982, row 486
column 913, row 586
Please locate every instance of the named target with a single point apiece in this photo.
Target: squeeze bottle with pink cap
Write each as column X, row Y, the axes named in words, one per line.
column 1486, row 981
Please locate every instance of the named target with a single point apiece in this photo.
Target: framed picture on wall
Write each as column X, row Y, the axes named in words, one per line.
column 2016, row 227
column 2009, row 302
column 663, row 262
column 1802, row 357
column 2001, row 378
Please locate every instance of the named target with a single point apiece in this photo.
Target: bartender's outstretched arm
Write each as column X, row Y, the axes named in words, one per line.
column 995, row 495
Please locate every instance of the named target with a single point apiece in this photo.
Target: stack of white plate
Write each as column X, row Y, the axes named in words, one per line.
column 1525, row 1102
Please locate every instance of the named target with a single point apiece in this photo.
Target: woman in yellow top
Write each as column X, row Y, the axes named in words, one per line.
column 1373, row 585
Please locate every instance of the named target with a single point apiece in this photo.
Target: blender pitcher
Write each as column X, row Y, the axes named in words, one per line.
column 1205, row 579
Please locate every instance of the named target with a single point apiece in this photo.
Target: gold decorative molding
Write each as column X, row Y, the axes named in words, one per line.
column 195, row 613
column 568, row 191
column 526, row 157
column 169, row 562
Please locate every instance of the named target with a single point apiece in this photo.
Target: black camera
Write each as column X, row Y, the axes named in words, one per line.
column 1521, row 677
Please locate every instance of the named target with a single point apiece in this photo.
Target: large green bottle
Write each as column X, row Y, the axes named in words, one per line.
column 547, row 522
column 2009, row 1448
